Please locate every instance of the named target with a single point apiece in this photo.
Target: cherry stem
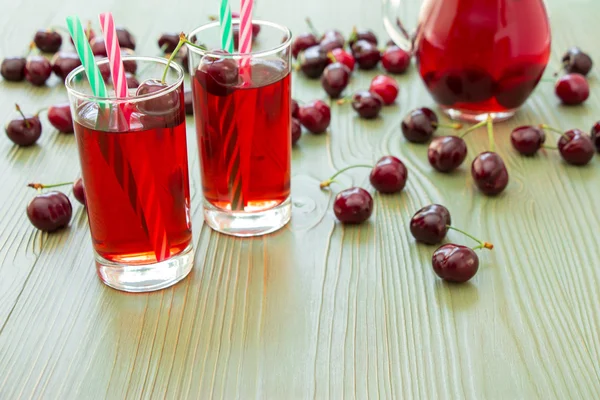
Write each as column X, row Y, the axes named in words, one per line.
column 41, row 110
column 32, row 47
column 353, row 34
column 343, row 100
column 27, row 123
column 88, row 29
column 490, row 129
column 182, row 40
column 312, row 27
column 482, row 244
column 331, row 57
column 454, row 125
column 551, row 129
column 213, row 18
column 471, row 129
column 550, row 147
column 40, row 186
column 329, row 181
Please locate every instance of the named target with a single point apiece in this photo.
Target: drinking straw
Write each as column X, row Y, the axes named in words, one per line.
column 117, row 70
column 225, row 23
column 156, row 228
column 124, row 176
column 246, row 29
column 227, row 124
column 84, row 50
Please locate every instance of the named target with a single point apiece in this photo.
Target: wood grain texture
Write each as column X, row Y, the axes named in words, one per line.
column 317, row 310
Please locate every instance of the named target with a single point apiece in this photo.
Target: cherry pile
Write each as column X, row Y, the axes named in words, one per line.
column 35, row 68
column 25, row 130
column 51, row 211
column 573, row 87
column 332, row 58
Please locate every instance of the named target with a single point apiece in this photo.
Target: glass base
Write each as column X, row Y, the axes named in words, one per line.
column 477, row 116
column 246, row 224
column 146, row 277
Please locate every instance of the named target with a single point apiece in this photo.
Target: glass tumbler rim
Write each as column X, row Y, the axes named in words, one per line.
column 132, row 99
column 237, row 55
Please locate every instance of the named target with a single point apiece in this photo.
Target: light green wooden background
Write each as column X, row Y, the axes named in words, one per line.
column 317, row 310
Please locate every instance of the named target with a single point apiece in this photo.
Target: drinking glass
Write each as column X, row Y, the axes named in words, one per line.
column 134, row 165
column 242, row 109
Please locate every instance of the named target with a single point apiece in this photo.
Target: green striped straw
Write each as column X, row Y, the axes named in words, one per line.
column 226, row 31
column 84, row 50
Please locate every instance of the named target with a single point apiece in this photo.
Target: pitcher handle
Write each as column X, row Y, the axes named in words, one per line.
column 394, row 27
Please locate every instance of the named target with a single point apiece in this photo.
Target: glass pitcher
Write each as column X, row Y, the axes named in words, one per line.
column 476, row 57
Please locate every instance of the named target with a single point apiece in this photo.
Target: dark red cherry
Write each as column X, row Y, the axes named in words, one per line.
column 313, row 61
column 129, row 65
column 386, row 87
column 446, row 153
column 48, row 41
column 302, row 42
column 296, row 131
column 125, row 38
column 64, row 62
column 419, row 125
column 332, row 39
column 13, row 69
column 79, row 191
column 50, row 211
column 595, row 134
column 367, row 104
column 315, row 116
column 218, row 75
column 572, row 89
column 367, row 54
column 395, row 60
column 98, row 46
column 388, row 175
column 164, row 104
column 576, row 147
column 37, row 70
column 576, row 61
column 455, row 263
column 24, row 130
column 430, row 224
column 189, row 104
column 89, row 32
column 167, row 42
column 335, row 78
column 489, row 173
column 59, row 115
column 362, row 34
column 295, row 108
column 528, row 139
column 132, row 82
column 104, row 68
column 353, row 206
column 342, row 56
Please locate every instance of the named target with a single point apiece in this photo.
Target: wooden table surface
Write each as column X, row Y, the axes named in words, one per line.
column 317, row 310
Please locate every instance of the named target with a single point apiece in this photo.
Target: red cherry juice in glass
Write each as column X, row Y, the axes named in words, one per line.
column 482, row 55
column 136, row 185
column 244, row 125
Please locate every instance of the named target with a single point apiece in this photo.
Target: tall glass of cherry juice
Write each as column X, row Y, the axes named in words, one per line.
column 242, row 109
column 134, row 165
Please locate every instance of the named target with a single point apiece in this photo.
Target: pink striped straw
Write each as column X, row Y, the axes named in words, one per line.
column 117, row 70
column 246, row 30
column 154, row 219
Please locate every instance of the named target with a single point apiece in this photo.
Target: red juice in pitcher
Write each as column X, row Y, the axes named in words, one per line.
column 137, row 189
column 480, row 56
column 244, row 137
